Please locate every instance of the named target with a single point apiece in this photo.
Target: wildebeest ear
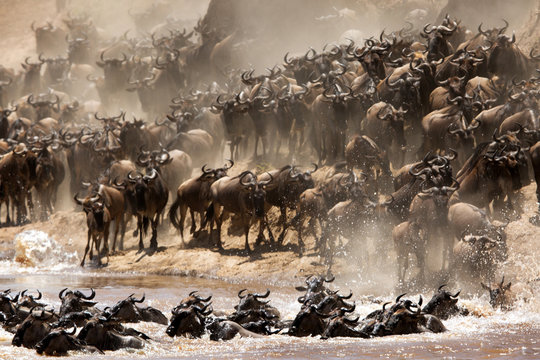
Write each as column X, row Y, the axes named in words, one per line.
column 484, row 286
column 507, row 286
column 301, row 288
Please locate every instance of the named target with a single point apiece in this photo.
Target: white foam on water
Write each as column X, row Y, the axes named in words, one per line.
column 36, row 251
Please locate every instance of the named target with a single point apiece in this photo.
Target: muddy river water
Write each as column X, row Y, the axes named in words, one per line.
column 492, row 334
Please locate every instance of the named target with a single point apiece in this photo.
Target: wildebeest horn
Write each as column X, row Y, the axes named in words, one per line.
column 384, row 305
column 420, row 300
column 266, row 182
column 153, row 174
column 400, row 296
column 72, row 331
column 60, row 295
column 481, row 31
column 426, row 31
column 243, row 175
column 205, row 171
column 346, row 297
column 263, row 296
column 440, row 287
column 78, row 201
column 91, row 296
column 503, row 29
column 452, row 156
column 288, row 62
column 40, row 295
column 228, row 166
column 240, row 294
column 315, row 167
column 130, row 176
column 456, row 295
column 310, row 58
column 138, row 301
column 203, row 299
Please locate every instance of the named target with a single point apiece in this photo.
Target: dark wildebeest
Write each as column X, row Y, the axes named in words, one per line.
column 243, row 195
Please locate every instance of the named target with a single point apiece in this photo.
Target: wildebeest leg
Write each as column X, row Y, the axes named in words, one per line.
column 30, row 205
column 193, row 226
column 420, row 251
column 260, row 236
column 87, row 247
column 535, row 219
column 105, row 249
column 125, row 219
column 8, row 220
column 155, row 223
column 297, row 222
column 140, row 229
column 117, row 224
column 246, row 221
column 278, row 145
column 218, row 218
column 97, row 244
column 256, row 145
column 448, row 241
column 183, row 210
column 402, row 265
column 231, row 149
column 201, row 225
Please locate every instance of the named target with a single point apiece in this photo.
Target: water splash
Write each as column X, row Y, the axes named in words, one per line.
column 37, row 251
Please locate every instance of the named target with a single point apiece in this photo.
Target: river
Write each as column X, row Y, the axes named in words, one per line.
column 488, row 334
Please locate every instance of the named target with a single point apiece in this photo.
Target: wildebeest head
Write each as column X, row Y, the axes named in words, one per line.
column 43, row 106
column 438, row 45
column 334, row 301
column 404, row 317
column 250, row 301
column 194, row 299
column 105, row 334
column 372, row 58
column 136, row 188
column 442, row 304
column 73, row 301
column 7, row 303
column 256, row 191
column 439, row 195
column 126, row 310
column 500, row 296
column 29, row 301
column 341, row 326
column 188, row 321
column 309, row 321
column 34, row 328
column 57, row 68
column 59, row 342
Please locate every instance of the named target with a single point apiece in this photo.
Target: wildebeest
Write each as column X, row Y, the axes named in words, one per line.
column 194, row 194
column 500, row 296
column 243, row 195
column 147, row 196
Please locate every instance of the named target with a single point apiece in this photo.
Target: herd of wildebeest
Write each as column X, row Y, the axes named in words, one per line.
column 324, row 312
column 419, row 135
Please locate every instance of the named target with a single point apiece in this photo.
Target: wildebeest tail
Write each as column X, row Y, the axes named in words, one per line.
column 173, row 213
